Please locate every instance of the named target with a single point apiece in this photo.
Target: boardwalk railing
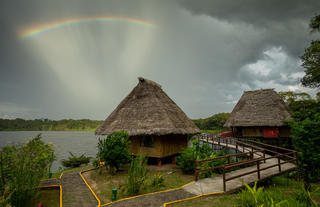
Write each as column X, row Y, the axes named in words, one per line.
column 255, row 155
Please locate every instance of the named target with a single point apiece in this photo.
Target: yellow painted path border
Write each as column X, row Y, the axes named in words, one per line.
column 80, row 173
column 106, row 204
column 60, row 186
column 198, row 196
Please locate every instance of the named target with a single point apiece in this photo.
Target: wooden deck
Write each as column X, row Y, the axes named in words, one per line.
column 215, row 184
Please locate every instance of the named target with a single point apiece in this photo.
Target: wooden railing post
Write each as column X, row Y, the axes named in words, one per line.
column 219, row 141
column 196, row 176
column 228, row 160
column 226, row 142
column 251, row 155
column 258, row 168
column 237, row 151
column 279, row 163
column 264, row 156
column 224, row 179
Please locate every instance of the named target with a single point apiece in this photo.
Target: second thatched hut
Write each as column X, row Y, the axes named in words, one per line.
column 156, row 125
column 260, row 113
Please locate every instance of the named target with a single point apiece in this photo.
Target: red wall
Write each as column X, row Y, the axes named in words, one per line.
column 270, row 132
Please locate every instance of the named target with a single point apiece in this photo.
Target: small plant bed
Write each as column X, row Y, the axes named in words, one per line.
column 277, row 190
column 158, row 179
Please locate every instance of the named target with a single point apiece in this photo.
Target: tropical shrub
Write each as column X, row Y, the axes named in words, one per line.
column 137, row 175
column 74, row 161
column 303, row 197
column 186, row 159
column 306, row 139
column 22, row 167
column 113, row 150
column 197, row 152
column 157, row 181
column 257, row 197
column 209, row 164
column 251, row 197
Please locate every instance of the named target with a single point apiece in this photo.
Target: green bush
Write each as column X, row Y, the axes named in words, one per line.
column 303, row 197
column 21, row 169
column 74, row 161
column 197, row 152
column 252, row 197
column 306, row 139
column 186, row 159
column 157, row 181
column 258, row 197
column 113, row 150
column 137, row 175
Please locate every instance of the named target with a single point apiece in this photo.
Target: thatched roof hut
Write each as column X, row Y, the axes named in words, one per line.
column 259, row 108
column 148, row 111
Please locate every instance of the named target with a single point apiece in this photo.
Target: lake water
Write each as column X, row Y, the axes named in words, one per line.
column 77, row 142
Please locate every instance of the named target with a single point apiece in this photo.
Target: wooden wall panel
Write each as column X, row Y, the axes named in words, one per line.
column 252, row 132
column 284, row 132
column 163, row 146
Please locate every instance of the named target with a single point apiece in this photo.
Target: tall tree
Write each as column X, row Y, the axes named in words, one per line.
column 311, row 58
column 315, row 24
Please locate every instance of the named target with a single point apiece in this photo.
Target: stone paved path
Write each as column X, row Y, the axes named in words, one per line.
column 75, row 192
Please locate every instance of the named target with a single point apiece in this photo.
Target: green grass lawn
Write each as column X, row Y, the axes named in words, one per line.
column 279, row 188
column 103, row 183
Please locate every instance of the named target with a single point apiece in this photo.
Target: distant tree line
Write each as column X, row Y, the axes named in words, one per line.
column 48, row 125
column 213, row 123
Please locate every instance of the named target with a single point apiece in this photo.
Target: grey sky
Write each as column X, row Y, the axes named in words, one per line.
column 203, row 53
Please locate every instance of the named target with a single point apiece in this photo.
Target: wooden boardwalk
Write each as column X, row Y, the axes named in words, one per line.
column 215, row 184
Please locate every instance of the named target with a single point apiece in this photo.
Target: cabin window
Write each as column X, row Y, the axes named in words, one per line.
column 147, row 141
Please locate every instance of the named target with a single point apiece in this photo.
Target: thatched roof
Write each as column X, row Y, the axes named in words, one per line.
column 259, row 108
column 148, row 110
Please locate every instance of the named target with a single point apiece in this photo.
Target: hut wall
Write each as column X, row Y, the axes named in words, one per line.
column 163, row 145
column 284, row 131
column 173, row 144
column 136, row 147
column 252, row 132
column 261, row 131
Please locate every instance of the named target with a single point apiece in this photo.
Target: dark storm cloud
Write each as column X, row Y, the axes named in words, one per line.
column 258, row 13
column 278, row 19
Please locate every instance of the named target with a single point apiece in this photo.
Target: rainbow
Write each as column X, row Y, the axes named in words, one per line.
column 36, row 30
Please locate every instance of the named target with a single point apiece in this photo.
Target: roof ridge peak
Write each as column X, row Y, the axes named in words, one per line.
column 144, row 80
